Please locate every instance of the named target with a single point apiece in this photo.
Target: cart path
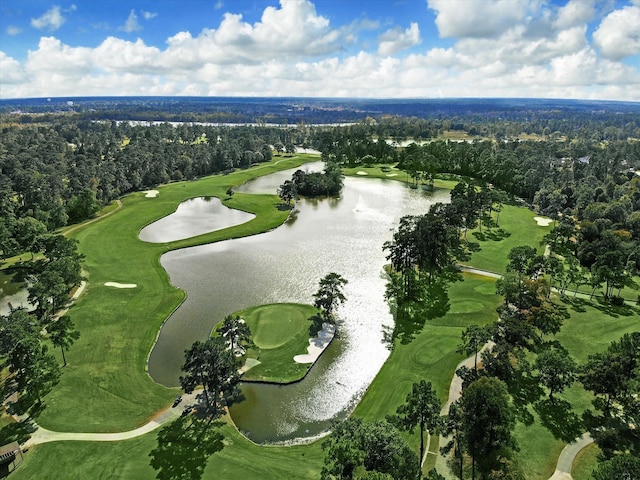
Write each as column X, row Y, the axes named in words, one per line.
column 568, row 455
column 42, row 435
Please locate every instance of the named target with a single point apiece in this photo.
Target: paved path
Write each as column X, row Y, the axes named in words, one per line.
column 568, row 455
column 42, row 435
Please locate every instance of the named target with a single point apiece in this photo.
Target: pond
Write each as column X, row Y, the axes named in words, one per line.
column 193, row 217
column 12, row 294
column 342, row 235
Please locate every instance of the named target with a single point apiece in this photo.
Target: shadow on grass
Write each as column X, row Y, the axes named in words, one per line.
column 17, row 432
column 410, row 316
column 557, row 416
column 525, row 390
column 491, row 235
column 184, row 447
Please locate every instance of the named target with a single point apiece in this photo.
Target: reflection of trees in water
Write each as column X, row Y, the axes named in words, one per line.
column 184, row 447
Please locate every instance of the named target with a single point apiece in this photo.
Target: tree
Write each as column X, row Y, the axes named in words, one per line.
column 487, row 421
column 422, row 410
column 556, row 369
column 620, row 467
column 356, row 448
column 288, row 192
column 452, row 427
column 62, row 334
column 329, row 295
column 213, row 366
column 473, row 339
column 236, row 333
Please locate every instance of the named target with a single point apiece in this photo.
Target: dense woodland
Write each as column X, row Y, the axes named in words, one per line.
column 579, row 168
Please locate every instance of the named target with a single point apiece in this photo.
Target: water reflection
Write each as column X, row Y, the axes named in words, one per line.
column 193, row 217
column 342, row 235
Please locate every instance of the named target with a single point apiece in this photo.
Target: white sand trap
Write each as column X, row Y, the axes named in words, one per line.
column 120, row 285
column 361, row 173
column 543, row 222
column 152, row 193
column 249, row 363
column 317, row 344
column 392, row 174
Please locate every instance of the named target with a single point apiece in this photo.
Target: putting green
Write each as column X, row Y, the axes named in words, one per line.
column 276, row 324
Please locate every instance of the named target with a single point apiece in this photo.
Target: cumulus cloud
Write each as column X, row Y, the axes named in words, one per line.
column 12, row 30
column 618, row 35
column 575, row 12
column 149, row 15
column 131, row 24
column 395, row 40
column 488, row 18
column 533, row 49
column 51, row 20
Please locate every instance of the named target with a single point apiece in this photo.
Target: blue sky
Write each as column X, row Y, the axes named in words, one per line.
column 347, row 48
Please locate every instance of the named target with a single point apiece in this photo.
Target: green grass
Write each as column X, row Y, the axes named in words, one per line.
column 130, row 459
column 105, row 386
column 586, row 462
column 520, row 228
column 280, row 332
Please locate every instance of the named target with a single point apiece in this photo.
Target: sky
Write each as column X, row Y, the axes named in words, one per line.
column 585, row 49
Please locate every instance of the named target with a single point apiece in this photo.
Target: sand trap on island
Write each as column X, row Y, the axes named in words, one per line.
column 120, row 285
column 152, row 193
column 543, row 222
column 249, row 363
column 317, row 344
column 392, row 174
column 361, row 173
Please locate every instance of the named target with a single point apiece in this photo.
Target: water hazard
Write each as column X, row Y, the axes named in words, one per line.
column 342, row 235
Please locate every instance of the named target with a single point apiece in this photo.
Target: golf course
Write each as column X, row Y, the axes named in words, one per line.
column 107, row 387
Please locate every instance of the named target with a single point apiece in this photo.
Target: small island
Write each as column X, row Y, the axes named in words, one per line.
column 278, row 333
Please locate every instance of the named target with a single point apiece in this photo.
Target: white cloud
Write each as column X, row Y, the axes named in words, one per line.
column 618, row 35
column 12, row 71
column 395, row 40
column 149, row 15
column 219, row 4
column 575, row 12
column 476, row 19
column 533, row 50
column 51, row 20
column 131, row 24
column 12, row 30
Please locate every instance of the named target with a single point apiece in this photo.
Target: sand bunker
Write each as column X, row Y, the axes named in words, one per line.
column 361, row 173
column 152, row 193
column 392, row 174
column 120, row 285
column 543, row 222
column 317, row 344
column 249, row 364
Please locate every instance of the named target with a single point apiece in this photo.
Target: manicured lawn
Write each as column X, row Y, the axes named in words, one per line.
column 130, row 459
column 105, row 387
column 520, row 228
column 279, row 332
column 586, row 462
